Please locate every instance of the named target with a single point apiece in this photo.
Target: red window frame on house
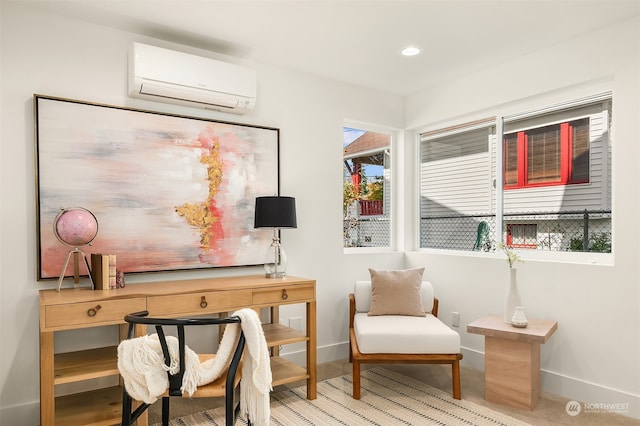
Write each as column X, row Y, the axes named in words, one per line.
column 556, row 154
column 518, row 231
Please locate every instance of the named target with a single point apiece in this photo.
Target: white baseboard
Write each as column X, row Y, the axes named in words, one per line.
column 21, row 415
column 324, row 354
column 592, row 396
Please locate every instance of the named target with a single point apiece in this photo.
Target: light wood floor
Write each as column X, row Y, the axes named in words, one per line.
column 549, row 411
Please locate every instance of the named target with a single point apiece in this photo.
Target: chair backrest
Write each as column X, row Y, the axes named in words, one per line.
column 362, row 293
column 175, row 380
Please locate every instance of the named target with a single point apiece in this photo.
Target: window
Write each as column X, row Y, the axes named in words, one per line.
column 366, row 188
column 455, row 187
column 522, row 235
column 551, row 155
column 544, row 184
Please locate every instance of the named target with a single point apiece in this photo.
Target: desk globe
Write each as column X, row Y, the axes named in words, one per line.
column 75, row 227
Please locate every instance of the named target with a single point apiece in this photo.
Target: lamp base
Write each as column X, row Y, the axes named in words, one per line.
column 275, row 274
column 275, row 265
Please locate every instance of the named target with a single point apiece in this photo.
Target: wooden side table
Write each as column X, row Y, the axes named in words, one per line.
column 512, row 359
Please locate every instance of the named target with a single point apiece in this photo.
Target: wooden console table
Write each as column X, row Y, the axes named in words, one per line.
column 512, row 359
column 81, row 308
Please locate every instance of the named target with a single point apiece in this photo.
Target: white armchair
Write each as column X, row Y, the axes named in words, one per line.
column 395, row 339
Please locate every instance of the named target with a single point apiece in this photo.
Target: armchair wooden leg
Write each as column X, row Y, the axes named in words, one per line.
column 455, row 374
column 356, row 379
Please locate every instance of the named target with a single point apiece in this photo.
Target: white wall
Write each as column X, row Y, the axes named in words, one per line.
column 594, row 356
column 47, row 54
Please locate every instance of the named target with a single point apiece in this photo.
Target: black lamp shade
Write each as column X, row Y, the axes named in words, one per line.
column 275, row 212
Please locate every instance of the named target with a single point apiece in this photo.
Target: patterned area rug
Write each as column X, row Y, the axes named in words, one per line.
column 388, row 399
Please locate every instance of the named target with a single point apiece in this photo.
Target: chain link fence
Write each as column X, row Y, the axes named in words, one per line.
column 587, row 230
column 367, row 232
column 553, row 231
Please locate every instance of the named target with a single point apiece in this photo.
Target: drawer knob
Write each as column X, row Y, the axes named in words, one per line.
column 203, row 302
column 93, row 311
column 285, row 296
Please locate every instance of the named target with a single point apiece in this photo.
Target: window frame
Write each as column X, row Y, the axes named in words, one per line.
column 566, row 149
column 597, row 105
column 509, row 236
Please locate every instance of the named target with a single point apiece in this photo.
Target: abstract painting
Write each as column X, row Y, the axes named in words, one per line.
column 169, row 192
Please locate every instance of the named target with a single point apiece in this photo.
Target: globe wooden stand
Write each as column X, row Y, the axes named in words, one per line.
column 76, row 268
column 75, row 219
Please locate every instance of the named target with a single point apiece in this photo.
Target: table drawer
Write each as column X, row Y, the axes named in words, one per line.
column 99, row 312
column 198, row 303
column 285, row 294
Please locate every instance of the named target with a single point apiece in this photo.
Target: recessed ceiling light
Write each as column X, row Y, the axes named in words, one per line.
column 410, row 51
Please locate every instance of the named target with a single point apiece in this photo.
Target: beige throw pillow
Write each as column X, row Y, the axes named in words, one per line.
column 396, row 292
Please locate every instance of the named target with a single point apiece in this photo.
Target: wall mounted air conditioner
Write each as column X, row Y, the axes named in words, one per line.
column 164, row 75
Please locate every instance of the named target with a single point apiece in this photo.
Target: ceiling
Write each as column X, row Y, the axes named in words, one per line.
column 359, row 42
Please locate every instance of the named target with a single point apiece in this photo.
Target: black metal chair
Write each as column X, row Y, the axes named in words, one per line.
column 227, row 386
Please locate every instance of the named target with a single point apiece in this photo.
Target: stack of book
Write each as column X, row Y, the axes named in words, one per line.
column 103, row 271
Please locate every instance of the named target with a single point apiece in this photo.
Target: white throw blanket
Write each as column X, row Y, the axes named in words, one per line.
column 141, row 364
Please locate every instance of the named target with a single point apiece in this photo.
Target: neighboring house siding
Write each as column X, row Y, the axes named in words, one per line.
column 590, row 196
column 387, row 187
column 464, row 184
column 459, row 183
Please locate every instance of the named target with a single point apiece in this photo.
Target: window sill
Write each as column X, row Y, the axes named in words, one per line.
column 579, row 258
column 361, row 250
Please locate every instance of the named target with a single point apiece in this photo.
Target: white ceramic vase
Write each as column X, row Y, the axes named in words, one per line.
column 513, row 297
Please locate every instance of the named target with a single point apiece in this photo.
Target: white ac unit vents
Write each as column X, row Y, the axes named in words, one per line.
column 164, row 75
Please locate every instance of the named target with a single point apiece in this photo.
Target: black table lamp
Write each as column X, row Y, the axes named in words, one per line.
column 275, row 212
